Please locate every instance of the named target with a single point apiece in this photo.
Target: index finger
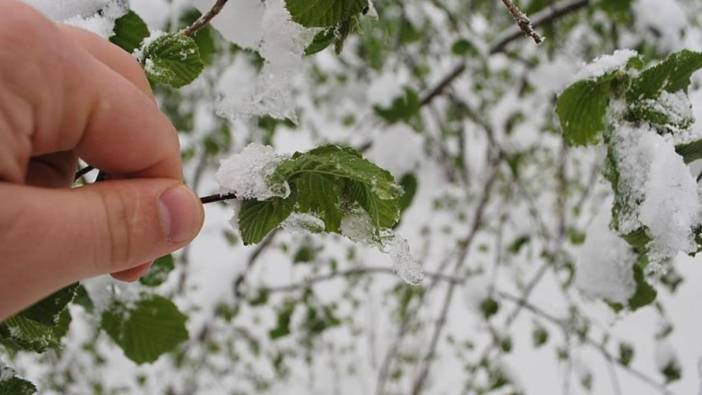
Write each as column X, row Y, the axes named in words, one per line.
column 79, row 103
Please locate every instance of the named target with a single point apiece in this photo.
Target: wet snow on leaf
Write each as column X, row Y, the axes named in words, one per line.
column 246, row 174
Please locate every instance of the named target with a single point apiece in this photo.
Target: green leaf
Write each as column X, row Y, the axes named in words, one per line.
column 672, row 371
column 340, row 162
column 159, row 271
column 16, row 386
column 321, row 41
column 147, row 330
column 539, row 336
column 644, row 294
column 582, row 108
column 464, row 47
column 383, row 213
column 257, row 219
column 282, row 327
column 626, row 354
column 130, row 31
column 320, row 195
column 409, row 184
column 324, row 13
column 173, row 59
column 48, row 310
column 690, row 152
column 489, row 307
column 328, row 182
column 402, row 108
column 672, row 74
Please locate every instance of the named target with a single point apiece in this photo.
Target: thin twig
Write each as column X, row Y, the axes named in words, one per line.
column 355, row 272
column 587, row 340
column 217, row 198
column 253, row 258
column 205, row 19
column 546, row 16
column 466, row 243
column 522, row 21
column 80, row 173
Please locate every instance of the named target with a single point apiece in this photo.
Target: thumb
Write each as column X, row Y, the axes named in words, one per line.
column 53, row 237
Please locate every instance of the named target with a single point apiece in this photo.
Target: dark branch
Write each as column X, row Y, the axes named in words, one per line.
column 217, row 198
column 80, row 173
column 522, row 21
column 205, row 19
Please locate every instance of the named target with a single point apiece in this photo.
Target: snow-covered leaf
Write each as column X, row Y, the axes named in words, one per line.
column 17, row 386
column 172, row 59
column 21, row 333
column 48, row 310
column 672, row 74
column 147, row 330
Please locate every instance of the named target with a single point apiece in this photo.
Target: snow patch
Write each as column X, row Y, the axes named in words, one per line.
column 246, row 174
column 95, row 16
column 605, row 264
column 303, row 223
column 267, row 28
column 671, row 208
column 605, row 64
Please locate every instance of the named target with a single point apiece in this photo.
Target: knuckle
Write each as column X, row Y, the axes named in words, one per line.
column 118, row 230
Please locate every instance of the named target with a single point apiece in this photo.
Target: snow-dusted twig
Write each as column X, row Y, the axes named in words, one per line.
column 205, row 19
column 466, row 243
column 563, row 325
column 522, row 21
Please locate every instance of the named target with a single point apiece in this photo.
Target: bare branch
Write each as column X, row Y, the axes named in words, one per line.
column 428, row 359
column 356, row 272
column 522, row 21
column 217, row 198
column 205, row 19
column 587, row 340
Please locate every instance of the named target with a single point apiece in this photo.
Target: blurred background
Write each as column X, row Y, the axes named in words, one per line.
column 460, row 108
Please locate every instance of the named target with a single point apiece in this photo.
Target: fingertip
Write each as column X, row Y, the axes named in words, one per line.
column 181, row 214
column 133, row 274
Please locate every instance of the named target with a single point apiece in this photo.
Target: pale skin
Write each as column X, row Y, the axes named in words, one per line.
column 66, row 94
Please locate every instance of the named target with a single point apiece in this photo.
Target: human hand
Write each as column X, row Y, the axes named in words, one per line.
column 67, row 94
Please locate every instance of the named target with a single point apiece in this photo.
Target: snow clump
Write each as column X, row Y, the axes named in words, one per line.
column 605, row 64
column 97, row 16
column 246, row 174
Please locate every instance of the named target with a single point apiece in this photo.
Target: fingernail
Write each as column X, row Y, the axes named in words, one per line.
column 181, row 214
